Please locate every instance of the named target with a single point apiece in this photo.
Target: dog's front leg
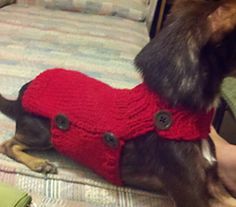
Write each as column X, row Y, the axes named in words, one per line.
column 186, row 193
column 183, row 172
column 178, row 167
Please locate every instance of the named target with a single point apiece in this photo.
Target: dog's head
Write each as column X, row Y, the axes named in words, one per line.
column 187, row 61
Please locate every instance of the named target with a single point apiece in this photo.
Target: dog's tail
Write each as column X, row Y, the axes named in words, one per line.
column 10, row 108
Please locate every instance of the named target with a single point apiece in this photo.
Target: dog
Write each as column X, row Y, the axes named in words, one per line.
column 184, row 66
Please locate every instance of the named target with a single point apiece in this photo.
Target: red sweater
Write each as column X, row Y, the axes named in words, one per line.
column 94, row 108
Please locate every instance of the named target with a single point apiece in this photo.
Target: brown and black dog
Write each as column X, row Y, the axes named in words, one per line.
column 185, row 64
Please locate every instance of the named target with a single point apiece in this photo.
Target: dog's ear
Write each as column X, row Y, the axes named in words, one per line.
column 222, row 20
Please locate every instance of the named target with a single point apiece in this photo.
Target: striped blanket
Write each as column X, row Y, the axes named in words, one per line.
column 33, row 39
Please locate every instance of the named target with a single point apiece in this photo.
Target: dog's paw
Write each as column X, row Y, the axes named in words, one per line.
column 42, row 166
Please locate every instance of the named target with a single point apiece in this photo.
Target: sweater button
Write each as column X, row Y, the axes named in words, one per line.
column 110, row 140
column 163, row 120
column 62, row 122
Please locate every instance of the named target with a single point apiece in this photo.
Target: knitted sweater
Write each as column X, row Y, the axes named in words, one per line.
column 94, row 108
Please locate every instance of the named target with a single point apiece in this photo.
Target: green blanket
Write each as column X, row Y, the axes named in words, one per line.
column 13, row 197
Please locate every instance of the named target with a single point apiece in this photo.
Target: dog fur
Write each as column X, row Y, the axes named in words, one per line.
column 185, row 64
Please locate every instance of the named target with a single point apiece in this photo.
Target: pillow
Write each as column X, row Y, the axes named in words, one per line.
column 130, row 9
column 6, row 2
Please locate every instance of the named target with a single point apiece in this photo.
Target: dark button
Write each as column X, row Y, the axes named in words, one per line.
column 163, row 120
column 110, row 139
column 62, row 122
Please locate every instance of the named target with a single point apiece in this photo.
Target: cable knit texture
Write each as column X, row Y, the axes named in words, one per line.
column 93, row 108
